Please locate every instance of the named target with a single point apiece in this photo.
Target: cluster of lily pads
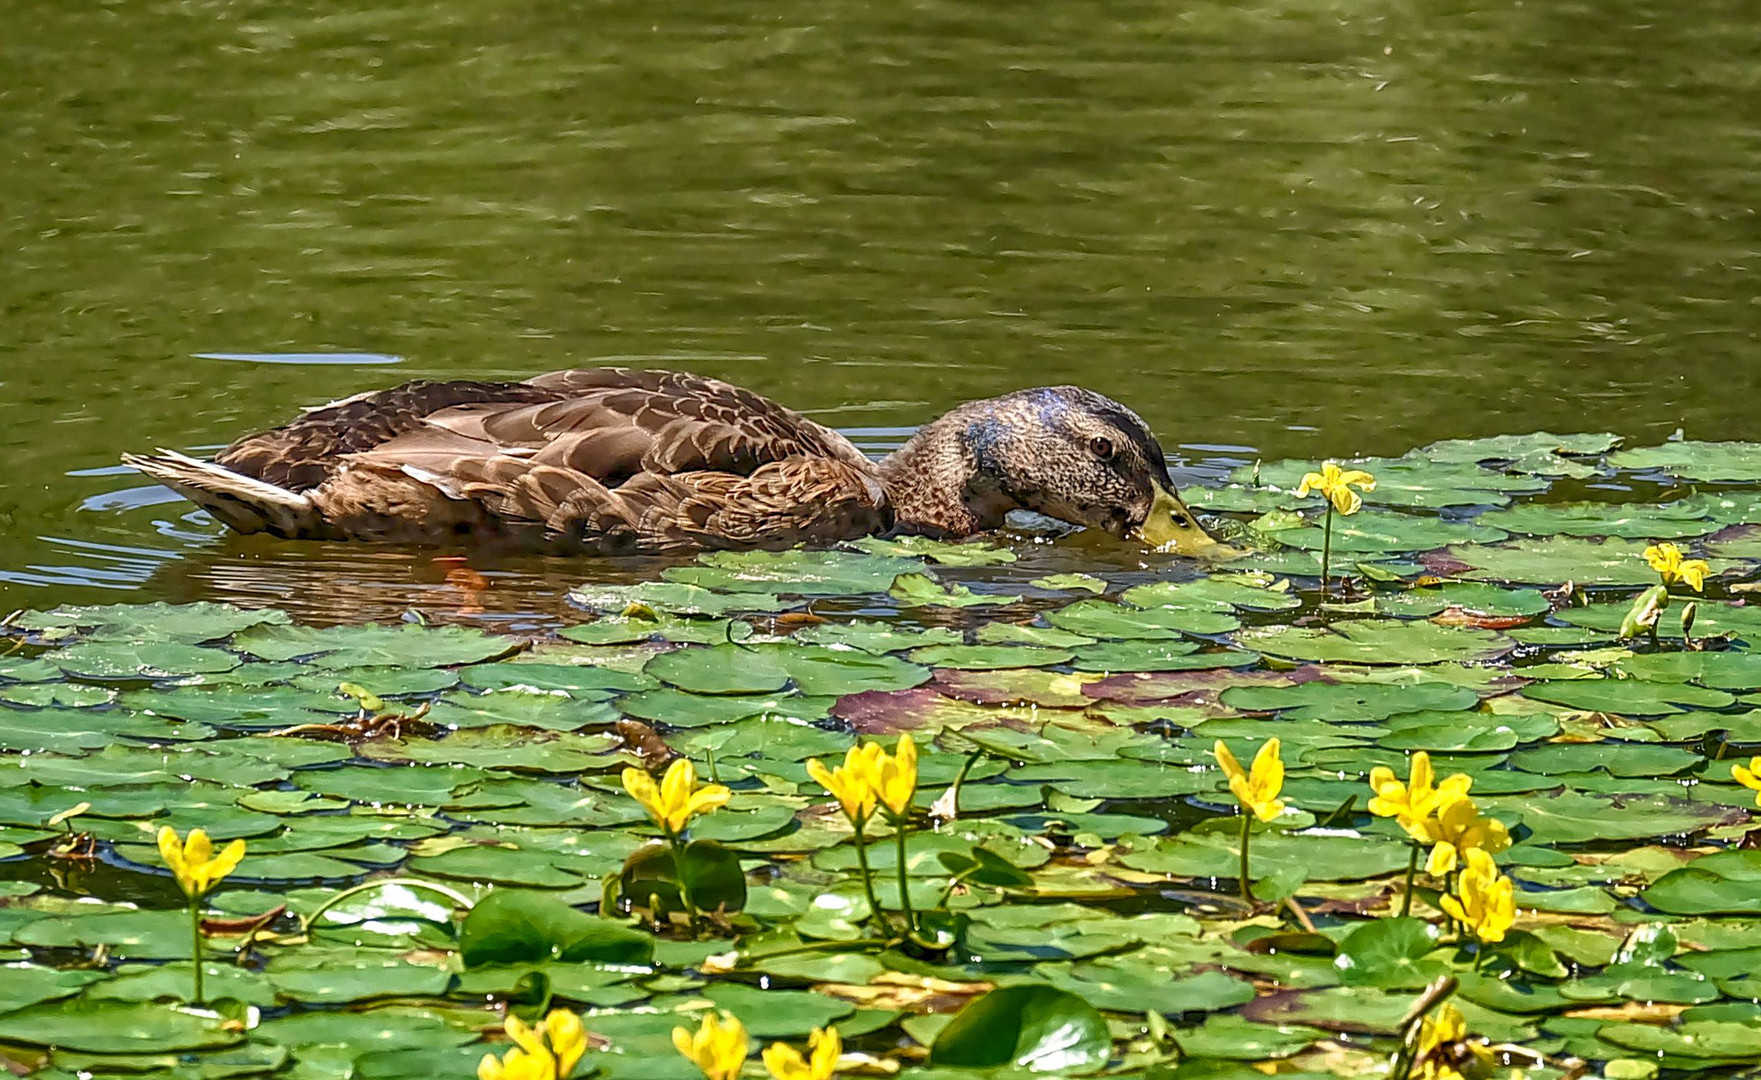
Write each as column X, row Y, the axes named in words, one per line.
column 616, row 846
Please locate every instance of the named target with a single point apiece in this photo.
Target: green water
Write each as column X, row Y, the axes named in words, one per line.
column 1279, row 228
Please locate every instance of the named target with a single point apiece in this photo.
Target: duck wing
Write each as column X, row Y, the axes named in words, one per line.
column 601, row 459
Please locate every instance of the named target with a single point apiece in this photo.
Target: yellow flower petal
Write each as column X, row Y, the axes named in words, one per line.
column 568, row 1039
column 1750, row 776
column 1693, row 573
column 896, row 778
column 784, row 1062
column 1231, row 768
column 1442, row 859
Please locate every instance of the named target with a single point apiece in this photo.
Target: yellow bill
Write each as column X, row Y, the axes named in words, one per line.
column 1172, row 527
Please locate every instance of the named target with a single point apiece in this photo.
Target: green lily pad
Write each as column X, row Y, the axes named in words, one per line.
column 1035, row 1028
column 192, row 624
column 1628, row 697
column 1634, row 521
column 1100, row 619
column 1376, row 641
column 779, row 1014
column 1348, row 701
column 139, row 659
column 567, row 677
column 1725, row 462
column 1555, row 559
column 942, row 552
column 877, row 637
column 373, row 646
column 1425, row 601
column 673, row 597
column 922, row 590
column 1374, row 532
column 1323, row 857
column 1575, row 818
column 988, row 657
column 796, row 572
column 113, row 1027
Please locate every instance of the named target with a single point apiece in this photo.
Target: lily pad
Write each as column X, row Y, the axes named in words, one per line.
column 1557, row 559
column 1376, row 641
column 1725, row 462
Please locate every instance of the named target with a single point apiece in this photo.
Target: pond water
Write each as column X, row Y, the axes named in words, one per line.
column 1279, row 229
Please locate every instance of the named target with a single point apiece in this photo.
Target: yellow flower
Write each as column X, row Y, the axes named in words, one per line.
column 1335, row 484
column 516, row 1064
column 786, row 1063
column 676, row 799
column 718, row 1048
column 854, row 782
column 1749, row 777
column 1459, row 829
column 1256, row 791
column 895, row 778
column 1487, row 899
column 548, row 1051
column 1413, row 803
column 1439, row 1055
column 1667, row 560
column 194, row 863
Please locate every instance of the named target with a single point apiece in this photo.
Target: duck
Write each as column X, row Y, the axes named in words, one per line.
column 614, row 461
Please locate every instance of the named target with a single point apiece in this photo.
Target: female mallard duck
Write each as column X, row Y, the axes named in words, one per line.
column 616, row 461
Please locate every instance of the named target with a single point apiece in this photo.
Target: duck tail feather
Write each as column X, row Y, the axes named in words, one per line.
column 240, row 502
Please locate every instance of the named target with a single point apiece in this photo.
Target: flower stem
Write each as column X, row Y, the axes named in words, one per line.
column 904, row 879
column 1327, row 550
column 874, row 907
column 1246, row 831
column 684, row 886
column 196, row 945
column 1412, row 868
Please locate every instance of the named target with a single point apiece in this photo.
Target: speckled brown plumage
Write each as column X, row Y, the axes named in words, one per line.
column 617, row 461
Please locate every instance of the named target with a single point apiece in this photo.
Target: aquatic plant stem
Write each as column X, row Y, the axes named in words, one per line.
column 1411, row 1025
column 874, row 906
column 1246, row 831
column 676, row 840
column 904, row 880
column 1412, row 869
column 1327, row 551
column 195, row 906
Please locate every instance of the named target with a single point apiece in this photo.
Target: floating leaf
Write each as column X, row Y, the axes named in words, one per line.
column 1556, row 559
column 796, row 572
column 1376, row 641
column 921, row 590
column 113, row 1027
column 370, row 646
column 139, row 659
column 1036, row 1028
column 1725, row 462
column 510, row 926
column 1348, row 701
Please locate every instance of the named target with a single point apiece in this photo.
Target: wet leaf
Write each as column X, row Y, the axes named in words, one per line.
column 110, row 1027
column 1036, row 1028
column 1376, row 641
column 511, row 926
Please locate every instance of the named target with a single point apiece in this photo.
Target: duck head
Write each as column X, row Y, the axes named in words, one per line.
column 1062, row 451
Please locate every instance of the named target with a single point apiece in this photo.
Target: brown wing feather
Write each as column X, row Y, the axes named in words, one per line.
column 301, row 455
column 602, row 458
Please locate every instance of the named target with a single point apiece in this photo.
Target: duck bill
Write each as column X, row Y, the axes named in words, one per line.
column 1164, row 530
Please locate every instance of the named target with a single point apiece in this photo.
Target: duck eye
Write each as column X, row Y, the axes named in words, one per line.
column 1101, row 447
column 1179, row 522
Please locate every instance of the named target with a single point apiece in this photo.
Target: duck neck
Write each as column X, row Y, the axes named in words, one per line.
column 937, row 483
